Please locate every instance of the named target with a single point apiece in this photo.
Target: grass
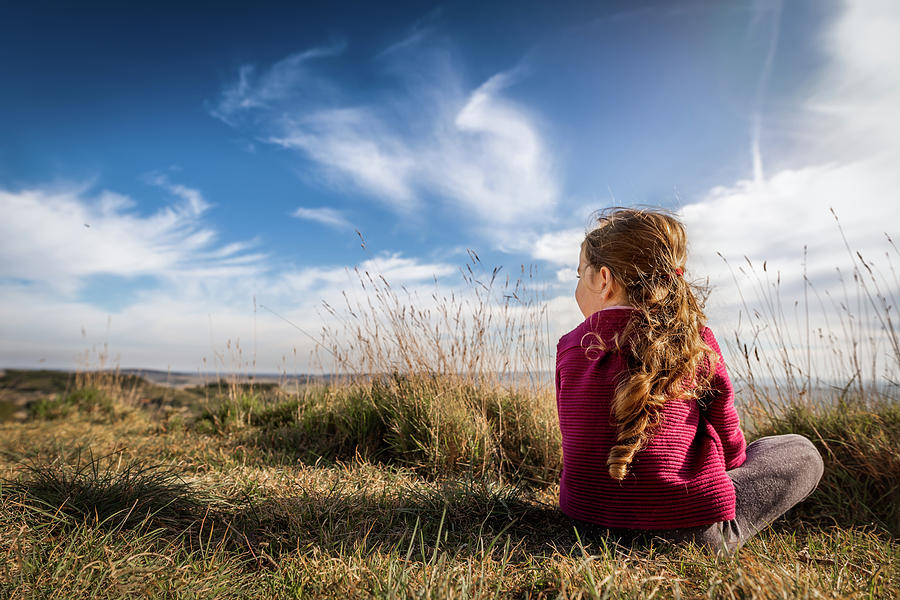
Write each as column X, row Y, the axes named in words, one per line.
column 436, row 479
column 84, row 400
column 106, row 394
column 362, row 529
column 106, row 493
column 430, row 424
column 219, row 517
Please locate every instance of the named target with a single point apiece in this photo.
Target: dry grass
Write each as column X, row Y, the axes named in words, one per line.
column 488, row 332
column 360, row 529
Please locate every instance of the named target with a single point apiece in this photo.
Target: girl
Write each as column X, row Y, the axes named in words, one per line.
column 651, row 439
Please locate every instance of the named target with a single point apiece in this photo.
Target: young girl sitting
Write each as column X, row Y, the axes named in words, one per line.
column 651, row 439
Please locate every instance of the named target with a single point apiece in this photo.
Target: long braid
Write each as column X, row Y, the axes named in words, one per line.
column 645, row 251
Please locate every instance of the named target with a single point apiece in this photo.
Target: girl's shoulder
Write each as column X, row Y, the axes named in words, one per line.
column 605, row 324
column 708, row 337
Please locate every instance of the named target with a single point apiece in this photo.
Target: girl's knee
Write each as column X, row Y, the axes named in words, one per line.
column 791, row 453
column 810, row 459
column 817, row 465
column 805, row 447
column 793, row 442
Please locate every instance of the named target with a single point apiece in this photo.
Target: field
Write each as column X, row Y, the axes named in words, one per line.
column 432, row 480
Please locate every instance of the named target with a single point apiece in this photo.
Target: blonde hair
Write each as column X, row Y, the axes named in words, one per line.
column 646, row 251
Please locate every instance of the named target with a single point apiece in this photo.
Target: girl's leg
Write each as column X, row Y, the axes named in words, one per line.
column 780, row 471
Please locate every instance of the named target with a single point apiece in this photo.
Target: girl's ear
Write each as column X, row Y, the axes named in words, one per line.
column 604, row 279
column 598, row 280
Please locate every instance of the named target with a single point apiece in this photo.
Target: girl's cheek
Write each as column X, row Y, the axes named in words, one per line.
column 580, row 297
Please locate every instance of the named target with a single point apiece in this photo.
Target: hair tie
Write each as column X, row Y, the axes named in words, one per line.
column 679, row 271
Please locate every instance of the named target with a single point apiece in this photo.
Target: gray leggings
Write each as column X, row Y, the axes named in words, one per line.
column 780, row 471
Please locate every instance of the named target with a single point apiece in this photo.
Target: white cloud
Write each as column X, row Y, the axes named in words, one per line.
column 478, row 150
column 352, row 144
column 252, row 93
column 56, row 237
column 776, row 219
column 418, row 33
column 204, row 322
column 559, row 247
column 393, row 267
column 856, row 102
column 200, row 306
column 397, row 269
column 852, row 116
column 761, row 10
column 193, row 199
column 494, row 162
column 567, row 275
column 324, row 215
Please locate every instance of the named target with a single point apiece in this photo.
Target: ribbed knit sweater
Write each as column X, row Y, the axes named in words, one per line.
column 678, row 479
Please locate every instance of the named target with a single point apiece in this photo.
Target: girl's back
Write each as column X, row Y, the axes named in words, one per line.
column 678, row 479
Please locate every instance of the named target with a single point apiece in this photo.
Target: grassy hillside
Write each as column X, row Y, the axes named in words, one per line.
column 401, row 487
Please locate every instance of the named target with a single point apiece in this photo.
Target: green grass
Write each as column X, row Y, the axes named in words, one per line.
column 435, row 426
column 86, row 400
column 105, row 493
column 42, row 380
column 106, row 395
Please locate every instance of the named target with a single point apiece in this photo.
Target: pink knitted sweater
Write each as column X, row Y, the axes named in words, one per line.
column 678, row 479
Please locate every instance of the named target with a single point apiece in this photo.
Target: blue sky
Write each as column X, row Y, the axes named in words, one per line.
column 162, row 165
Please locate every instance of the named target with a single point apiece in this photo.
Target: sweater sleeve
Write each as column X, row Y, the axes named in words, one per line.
column 720, row 411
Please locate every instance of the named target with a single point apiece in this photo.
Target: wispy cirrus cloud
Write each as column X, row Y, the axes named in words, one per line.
column 424, row 136
column 763, row 10
column 324, row 215
column 286, row 78
column 193, row 199
column 55, row 237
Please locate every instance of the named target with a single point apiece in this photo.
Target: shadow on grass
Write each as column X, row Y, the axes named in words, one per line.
column 460, row 516
column 122, row 497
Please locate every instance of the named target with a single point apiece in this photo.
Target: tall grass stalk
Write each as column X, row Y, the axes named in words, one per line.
column 850, row 353
column 834, row 378
column 490, row 330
